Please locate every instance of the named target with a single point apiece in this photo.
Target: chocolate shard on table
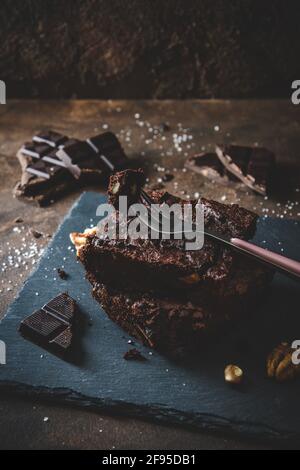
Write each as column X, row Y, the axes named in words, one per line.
column 253, row 166
column 141, row 280
column 206, row 164
column 51, row 327
column 53, row 164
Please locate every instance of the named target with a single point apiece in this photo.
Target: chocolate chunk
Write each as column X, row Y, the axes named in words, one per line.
column 134, row 355
column 53, row 164
column 51, row 326
column 63, row 341
column 206, row 164
column 164, row 127
column 109, row 150
column 167, row 177
column 35, row 233
column 253, row 166
column 52, row 138
column 77, row 152
column 35, row 150
column 62, row 274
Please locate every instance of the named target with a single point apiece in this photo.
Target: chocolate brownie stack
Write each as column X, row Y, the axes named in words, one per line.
column 167, row 297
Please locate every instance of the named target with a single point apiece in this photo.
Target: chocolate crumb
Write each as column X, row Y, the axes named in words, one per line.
column 164, row 127
column 134, row 355
column 168, row 177
column 62, row 274
column 35, row 233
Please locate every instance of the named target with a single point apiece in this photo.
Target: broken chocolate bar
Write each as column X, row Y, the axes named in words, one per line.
column 51, row 326
column 253, row 166
column 53, row 164
column 206, row 164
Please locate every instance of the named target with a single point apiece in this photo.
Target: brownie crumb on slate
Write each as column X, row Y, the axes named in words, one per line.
column 62, row 274
column 134, row 355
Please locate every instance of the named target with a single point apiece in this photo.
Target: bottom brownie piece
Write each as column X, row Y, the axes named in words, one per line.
column 173, row 326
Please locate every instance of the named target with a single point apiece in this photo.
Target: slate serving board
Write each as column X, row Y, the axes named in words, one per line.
column 192, row 393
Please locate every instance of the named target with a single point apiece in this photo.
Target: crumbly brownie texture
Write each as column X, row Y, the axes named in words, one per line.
column 53, row 165
column 172, row 326
column 125, row 183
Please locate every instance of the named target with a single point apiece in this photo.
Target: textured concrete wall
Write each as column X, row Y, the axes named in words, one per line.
column 149, row 48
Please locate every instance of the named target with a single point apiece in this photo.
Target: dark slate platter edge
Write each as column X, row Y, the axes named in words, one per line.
column 153, row 412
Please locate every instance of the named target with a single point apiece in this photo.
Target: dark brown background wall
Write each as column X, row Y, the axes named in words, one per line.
column 149, row 48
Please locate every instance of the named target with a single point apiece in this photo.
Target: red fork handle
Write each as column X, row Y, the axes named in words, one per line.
column 279, row 262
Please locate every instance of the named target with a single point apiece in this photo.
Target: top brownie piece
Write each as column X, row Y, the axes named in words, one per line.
column 159, row 264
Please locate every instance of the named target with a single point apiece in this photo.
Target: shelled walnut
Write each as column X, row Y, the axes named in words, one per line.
column 280, row 365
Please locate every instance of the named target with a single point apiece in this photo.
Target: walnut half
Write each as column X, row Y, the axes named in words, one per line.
column 79, row 239
column 279, row 364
